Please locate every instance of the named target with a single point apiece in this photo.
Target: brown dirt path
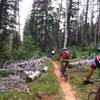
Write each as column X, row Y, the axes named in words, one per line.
column 66, row 88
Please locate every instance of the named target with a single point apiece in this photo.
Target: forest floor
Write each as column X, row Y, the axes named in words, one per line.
column 68, row 92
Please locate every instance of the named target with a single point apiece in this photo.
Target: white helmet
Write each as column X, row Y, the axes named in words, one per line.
column 65, row 48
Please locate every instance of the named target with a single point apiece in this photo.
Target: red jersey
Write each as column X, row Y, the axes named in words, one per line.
column 65, row 55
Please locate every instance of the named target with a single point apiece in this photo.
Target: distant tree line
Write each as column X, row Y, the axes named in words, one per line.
column 9, row 37
column 45, row 20
column 45, row 26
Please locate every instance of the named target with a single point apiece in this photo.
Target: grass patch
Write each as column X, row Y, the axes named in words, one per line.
column 77, row 78
column 46, row 84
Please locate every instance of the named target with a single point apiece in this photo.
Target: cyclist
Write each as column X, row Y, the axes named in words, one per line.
column 64, row 54
column 52, row 53
column 95, row 63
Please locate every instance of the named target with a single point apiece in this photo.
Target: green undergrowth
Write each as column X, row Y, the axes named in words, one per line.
column 46, row 84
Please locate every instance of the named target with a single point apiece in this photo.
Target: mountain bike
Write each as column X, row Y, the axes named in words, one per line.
column 95, row 94
column 64, row 70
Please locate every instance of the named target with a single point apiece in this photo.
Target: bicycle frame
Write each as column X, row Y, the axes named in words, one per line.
column 64, row 71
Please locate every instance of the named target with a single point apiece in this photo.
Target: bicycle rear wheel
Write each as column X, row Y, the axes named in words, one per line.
column 98, row 94
column 66, row 75
column 92, row 95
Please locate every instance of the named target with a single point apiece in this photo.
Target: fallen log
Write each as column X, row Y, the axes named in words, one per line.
column 29, row 65
column 7, row 70
column 45, row 68
column 81, row 62
column 33, row 76
column 13, row 82
column 30, row 75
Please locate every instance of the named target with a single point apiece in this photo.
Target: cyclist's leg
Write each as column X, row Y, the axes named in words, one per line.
column 61, row 68
column 61, row 72
column 66, row 74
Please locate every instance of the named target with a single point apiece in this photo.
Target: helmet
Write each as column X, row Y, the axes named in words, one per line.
column 65, row 48
column 98, row 58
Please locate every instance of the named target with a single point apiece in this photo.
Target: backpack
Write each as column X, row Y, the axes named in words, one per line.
column 65, row 55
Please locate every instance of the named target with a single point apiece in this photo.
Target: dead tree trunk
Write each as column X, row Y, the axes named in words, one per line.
column 86, row 26
column 66, row 30
column 98, row 33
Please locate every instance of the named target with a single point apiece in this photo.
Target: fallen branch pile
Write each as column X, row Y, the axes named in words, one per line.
column 28, row 69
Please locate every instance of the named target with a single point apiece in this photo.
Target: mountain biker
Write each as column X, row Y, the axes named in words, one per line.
column 95, row 63
column 64, row 54
column 52, row 53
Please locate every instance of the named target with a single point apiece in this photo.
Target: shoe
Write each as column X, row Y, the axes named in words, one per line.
column 87, row 82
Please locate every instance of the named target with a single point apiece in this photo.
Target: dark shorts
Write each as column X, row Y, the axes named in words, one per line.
column 93, row 66
column 64, row 63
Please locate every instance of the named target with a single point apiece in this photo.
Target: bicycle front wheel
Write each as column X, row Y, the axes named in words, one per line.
column 92, row 95
column 66, row 75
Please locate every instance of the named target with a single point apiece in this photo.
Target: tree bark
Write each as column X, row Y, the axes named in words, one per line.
column 98, row 33
column 66, row 30
column 86, row 26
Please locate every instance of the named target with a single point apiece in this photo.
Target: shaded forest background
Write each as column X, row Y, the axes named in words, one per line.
column 45, row 27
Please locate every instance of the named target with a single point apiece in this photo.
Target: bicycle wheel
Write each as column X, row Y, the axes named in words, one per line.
column 92, row 95
column 61, row 72
column 98, row 94
column 66, row 75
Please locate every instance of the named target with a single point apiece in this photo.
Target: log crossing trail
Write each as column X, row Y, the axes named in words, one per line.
column 69, row 93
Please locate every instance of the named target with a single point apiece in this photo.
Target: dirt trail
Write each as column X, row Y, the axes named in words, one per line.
column 69, row 94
